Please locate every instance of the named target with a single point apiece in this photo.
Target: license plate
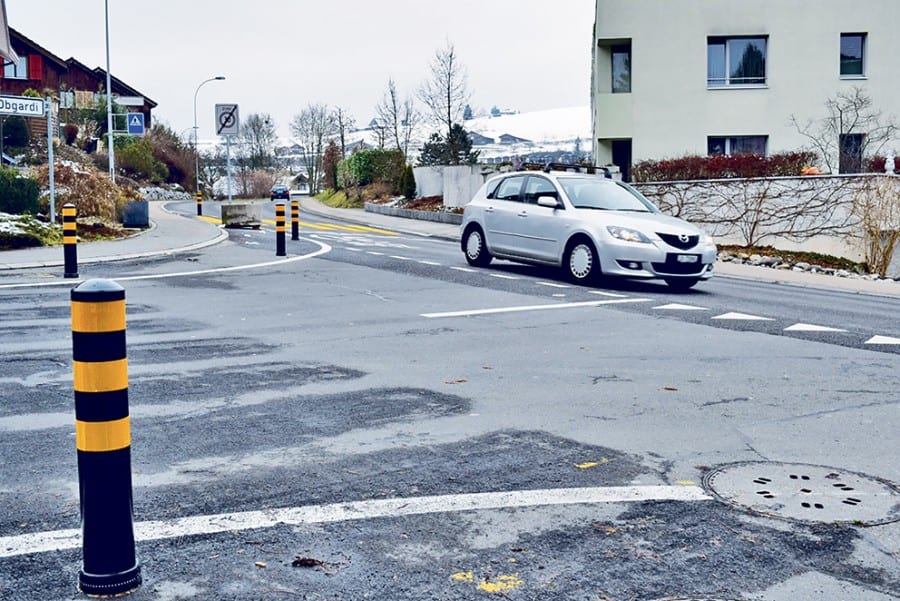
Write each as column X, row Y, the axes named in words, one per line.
column 687, row 258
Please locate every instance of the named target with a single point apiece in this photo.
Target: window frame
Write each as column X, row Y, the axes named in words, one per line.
column 863, row 39
column 729, row 141
column 614, row 51
column 725, row 81
column 16, row 70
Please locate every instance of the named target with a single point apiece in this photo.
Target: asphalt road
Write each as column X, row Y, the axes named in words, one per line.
column 345, row 410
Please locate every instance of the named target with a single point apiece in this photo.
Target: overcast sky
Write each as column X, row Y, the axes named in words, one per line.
column 278, row 56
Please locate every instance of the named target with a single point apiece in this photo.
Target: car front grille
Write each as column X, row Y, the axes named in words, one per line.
column 682, row 242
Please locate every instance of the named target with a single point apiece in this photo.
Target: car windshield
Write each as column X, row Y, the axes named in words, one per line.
column 604, row 195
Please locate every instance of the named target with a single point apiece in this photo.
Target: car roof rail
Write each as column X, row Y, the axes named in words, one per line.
column 576, row 168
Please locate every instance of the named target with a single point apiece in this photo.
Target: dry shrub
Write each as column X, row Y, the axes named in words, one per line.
column 92, row 193
column 878, row 206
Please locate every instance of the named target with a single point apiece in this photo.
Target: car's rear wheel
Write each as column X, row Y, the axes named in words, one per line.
column 581, row 262
column 681, row 283
column 475, row 248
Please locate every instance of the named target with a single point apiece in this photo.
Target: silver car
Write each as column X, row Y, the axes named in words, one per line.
column 587, row 224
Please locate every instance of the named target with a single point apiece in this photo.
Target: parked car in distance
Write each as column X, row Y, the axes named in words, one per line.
column 585, row 223
column 280, row 192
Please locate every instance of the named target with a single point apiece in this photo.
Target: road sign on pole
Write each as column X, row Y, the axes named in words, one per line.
column 23, row 106
column 136, row 124
column 228, row 122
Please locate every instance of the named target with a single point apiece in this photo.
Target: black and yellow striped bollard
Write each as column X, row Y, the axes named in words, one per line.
column 70, row 241
column 199, row 203
column 279, row 230
column 103, row 439
column 295, row 220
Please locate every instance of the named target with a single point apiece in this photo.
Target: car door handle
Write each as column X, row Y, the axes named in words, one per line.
column 489, row 209
column 523, row 213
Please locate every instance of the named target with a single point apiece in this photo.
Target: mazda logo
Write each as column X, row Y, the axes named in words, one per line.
column 684, row 238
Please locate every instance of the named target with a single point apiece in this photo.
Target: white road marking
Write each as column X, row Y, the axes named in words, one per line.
column 610, row 294
column 432, row 263
column 742, row 317
column 534, row 308
column 324, row 248
column 808, row 327
column 399, row 258
column 465, row 269
column 503, row 276
column 552, row 285
column 372, row 252
column 58, row 540
column 680, row 307
column 356, row 250
column 883, row 340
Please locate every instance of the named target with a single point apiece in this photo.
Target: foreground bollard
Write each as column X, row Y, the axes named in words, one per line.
column 70, row 241
column 295, row 220
column 279, row 230
column 199, row 203
column 103, row 439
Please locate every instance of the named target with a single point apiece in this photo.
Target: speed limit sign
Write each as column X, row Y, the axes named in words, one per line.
column 228, row 122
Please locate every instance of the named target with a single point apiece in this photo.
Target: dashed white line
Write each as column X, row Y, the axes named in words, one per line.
column 372, row 252
column 503, row 276
column 465, row 269
column 432, row 263
column 680, row 307
column 742, row 317
column 58, row 540
column 399, row 258
column 552, row 285
column 610, row 294
column 808, row 327
column 883, row 340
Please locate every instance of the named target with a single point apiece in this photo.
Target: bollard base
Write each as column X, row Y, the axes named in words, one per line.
column 71, row 275
column 110, row 585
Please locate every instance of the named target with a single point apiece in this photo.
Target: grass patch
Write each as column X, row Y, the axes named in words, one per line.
column 337, row 199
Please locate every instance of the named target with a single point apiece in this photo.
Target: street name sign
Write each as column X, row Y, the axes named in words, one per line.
column 23, row 106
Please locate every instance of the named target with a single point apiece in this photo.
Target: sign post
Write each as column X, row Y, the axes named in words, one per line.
column 28, row 106
column 228, row 124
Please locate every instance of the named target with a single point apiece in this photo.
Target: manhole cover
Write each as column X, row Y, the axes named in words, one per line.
column 806, row 493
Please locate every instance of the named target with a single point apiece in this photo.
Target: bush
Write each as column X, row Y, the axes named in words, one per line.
column 135, row 158
column 407, row 184
column 695, row 167
column 370, row 166
column 15, row 133
column 18, row 194
column 70, row 131
column 178, row 158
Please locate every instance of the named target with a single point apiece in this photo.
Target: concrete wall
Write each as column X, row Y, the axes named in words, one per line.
column 457, row 183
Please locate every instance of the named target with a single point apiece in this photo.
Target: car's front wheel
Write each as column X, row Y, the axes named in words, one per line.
column 475, row 247
column 681, row 283
column 581, row 262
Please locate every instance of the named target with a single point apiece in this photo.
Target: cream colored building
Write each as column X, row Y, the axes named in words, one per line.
column 676, row 77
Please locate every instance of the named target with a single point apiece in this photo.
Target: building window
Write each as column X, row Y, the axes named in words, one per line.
column 735, row 61
column 17, row 70
column 851, row 152
column 852, row 54
column 729, row 145
column 621, row 69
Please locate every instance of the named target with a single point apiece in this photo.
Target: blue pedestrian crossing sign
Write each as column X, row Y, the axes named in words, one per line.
column 136, row 124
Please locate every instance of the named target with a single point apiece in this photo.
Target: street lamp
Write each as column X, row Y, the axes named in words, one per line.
column 196, row 150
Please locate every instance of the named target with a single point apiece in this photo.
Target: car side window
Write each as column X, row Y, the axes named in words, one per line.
column 510, row 189
column 538, row 186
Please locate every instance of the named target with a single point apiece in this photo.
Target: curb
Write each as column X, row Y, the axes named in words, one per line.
column 438, row 216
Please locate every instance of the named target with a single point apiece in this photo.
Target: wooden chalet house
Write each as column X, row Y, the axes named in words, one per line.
column 69, row 82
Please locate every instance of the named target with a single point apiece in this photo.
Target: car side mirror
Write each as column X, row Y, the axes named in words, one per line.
column 548, row 201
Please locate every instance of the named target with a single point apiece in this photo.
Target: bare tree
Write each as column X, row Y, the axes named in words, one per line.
column 345, row 123
column 313, row 128
column 258, row 139
column 398, row 118
column 446, row 93
column 852, row 129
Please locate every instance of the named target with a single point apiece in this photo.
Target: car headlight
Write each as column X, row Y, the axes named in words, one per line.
column 628, row 235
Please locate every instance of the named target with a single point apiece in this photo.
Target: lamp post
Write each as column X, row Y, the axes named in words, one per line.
column 196, row 150
column 109, row 110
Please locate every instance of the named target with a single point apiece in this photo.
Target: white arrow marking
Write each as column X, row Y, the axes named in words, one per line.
column 883, row 340
column 808, row 327
column 742, row 316
column 678, row 307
